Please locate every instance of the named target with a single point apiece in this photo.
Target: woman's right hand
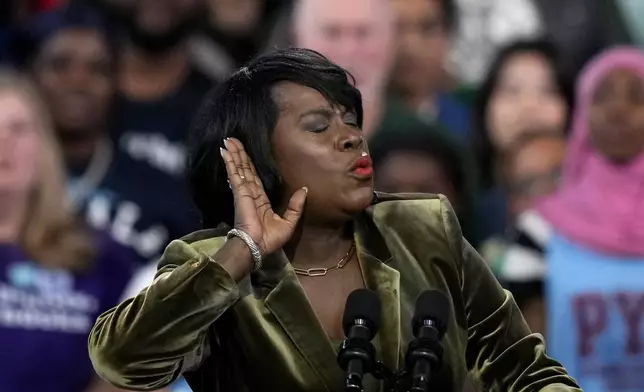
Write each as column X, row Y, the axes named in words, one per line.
column 253, row 211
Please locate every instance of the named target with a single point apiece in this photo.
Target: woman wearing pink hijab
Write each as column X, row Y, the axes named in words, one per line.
column 595, row 252
column 603, row 179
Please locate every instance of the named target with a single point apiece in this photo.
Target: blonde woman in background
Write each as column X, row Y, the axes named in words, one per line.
column 56, row 275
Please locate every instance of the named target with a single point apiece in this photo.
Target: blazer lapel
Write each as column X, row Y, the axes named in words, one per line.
column 287, row 301
column 290, row 306
column 374, row 257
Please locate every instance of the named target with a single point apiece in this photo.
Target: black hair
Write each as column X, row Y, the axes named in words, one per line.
column 449, row 154
column 525, row 292
column 35, row 33
column 486, row 153
column 244, row 107
column 430, row 142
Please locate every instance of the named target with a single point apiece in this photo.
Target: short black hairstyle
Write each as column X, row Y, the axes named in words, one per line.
column 244, row 107
column 525, row 292
column 432, row 142
column 448, row 152
column 486, row 153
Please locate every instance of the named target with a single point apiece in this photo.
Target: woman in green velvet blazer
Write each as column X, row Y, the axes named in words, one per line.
column 259, row 307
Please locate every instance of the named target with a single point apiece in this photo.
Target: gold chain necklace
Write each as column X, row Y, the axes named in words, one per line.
column 323, row 271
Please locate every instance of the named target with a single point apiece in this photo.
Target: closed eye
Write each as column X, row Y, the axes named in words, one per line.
column 317, row 120
column 317, row 127
column 351, row 119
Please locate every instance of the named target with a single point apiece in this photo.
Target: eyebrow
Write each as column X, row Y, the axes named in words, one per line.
column 322, row 111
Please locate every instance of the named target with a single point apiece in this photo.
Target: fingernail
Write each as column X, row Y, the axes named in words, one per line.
column 221, row 151
column 306, row 190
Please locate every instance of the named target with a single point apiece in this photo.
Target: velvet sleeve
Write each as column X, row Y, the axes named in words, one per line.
column 501, row 352
column 147, row 341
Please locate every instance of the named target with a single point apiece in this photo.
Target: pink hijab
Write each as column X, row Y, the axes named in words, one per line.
column 599, row 204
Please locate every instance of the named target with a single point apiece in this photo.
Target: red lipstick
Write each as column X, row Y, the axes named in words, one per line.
column 363, row 166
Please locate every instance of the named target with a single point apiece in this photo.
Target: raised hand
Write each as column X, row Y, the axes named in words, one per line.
column 253, row 211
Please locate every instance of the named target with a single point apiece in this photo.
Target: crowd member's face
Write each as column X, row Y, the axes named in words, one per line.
column 316, row 145
column 158, row 25
column 422, row 43
column 533, row 171
column 75, row 72
column 617, row 116
column 238, row 17
column 414, row 172
column 19, row 140
column 356, row 34
column 526, row 97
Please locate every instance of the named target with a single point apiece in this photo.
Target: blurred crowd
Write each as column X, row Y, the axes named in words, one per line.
column 527, row 114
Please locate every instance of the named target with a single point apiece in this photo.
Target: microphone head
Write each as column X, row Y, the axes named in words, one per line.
column 362, row 304
column 432, row 305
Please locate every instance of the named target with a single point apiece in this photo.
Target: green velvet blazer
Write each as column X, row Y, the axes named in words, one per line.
column 261, row 334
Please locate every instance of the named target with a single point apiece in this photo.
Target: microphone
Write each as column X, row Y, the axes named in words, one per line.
column 360, row 322
column 425, row 354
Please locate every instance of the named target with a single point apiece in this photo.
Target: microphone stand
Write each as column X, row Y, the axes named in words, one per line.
column 393, row 381
column 379, row 371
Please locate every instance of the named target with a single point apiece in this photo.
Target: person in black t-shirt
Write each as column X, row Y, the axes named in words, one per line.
column 158, row 89
column 158, row 94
